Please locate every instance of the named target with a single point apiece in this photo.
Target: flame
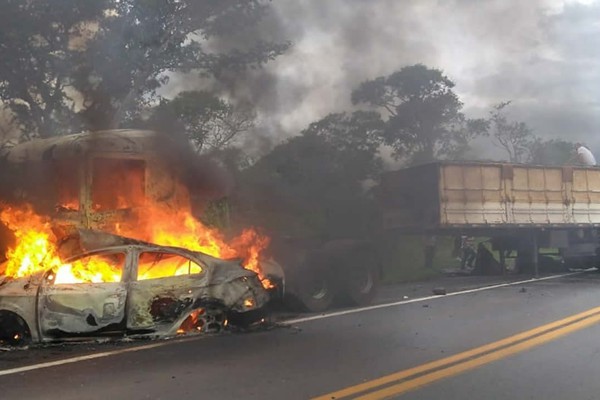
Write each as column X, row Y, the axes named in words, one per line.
column 36, row 249
column 158, row 224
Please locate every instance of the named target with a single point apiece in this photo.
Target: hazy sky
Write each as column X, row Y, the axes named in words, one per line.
column 543, row 55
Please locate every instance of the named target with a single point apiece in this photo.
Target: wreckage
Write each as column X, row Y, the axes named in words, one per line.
column 144, row 263
column 144, row 289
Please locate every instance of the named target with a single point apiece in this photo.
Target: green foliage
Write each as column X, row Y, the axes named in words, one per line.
column 424, row 114
column 69, row 65
column 37, row 58
column 404, row 261
column 313, row 184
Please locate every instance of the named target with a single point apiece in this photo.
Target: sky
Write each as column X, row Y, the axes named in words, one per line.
column 542, row 55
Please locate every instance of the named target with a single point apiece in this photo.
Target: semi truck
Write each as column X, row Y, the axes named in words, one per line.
column 96, row 180
column 521, row 207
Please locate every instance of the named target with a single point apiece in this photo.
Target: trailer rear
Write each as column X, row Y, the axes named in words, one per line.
column 521, row 207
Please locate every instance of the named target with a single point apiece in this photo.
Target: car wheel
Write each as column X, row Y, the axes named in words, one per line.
column 208, row 319
column 13, row 330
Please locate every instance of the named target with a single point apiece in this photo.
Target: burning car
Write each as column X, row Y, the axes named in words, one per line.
column 114, row 286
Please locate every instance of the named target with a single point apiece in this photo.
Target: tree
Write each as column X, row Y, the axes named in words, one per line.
column 550, row 152
column 313, row 184
column 516, row 138
column 72, row 65
column 36, row 39
column 424, row 114
column 209, row 122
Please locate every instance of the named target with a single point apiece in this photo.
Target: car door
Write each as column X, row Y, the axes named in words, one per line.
column 85, row 297
column 167, row 285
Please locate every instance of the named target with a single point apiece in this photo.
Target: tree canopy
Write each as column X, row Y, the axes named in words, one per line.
column 313, row 183
column 424, row 118
column 72, row 65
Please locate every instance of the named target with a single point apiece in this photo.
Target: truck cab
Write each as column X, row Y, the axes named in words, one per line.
column 93, row 180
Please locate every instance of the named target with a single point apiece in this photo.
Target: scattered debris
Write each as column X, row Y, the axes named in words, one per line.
column 439, row 291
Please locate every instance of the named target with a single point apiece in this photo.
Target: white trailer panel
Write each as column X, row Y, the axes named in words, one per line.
column 489, row 195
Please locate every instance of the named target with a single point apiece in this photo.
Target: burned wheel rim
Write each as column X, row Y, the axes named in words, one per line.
column 208, row 319
column 13, row 330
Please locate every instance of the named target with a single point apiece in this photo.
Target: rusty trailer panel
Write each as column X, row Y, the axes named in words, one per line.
column 454, row 195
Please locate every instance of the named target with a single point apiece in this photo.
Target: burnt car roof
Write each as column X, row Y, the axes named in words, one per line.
column 88, row 240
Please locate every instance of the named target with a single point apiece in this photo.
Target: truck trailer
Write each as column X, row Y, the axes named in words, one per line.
column 520, row 207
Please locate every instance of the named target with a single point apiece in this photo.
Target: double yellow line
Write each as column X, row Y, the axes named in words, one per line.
column 413, row 378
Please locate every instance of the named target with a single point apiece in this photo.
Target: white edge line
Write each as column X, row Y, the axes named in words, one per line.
column 419, row 299
column 94, row 356
column 81, row 358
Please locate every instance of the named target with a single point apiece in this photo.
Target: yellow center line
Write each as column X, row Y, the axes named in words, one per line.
column 546, row 332
column 415, row 383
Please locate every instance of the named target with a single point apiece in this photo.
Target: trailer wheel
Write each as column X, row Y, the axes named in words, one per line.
column 360, row 278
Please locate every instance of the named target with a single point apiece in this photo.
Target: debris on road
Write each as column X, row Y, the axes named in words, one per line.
column 439, row 291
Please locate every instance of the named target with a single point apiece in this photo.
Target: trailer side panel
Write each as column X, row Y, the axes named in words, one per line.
column 469, row 195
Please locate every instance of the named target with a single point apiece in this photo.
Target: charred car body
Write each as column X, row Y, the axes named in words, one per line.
column 150, row 290
column 97, row 180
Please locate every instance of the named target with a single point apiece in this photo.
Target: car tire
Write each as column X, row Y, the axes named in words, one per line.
column 13, row 330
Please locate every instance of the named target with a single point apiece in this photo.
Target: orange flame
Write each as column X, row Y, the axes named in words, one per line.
column 160, row 225
column 36, row 248
column 36, row 251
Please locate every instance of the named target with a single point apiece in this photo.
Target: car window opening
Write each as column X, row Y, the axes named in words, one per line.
column 162, row 265
column 98, row 268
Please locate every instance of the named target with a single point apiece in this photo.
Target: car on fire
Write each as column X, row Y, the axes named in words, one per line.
column 131, row 288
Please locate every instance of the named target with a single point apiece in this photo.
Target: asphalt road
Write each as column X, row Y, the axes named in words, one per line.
column 420, row 349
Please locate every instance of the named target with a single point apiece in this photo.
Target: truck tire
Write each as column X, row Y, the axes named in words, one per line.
column 316, row 292
column 360, row 277
column 314, row 287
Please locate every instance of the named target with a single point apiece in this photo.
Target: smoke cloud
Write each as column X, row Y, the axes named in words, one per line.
column 543, row 55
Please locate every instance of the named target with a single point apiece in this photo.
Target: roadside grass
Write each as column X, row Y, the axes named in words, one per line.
column 403, row 258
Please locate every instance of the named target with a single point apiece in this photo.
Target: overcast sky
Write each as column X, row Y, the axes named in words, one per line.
column 543, row 55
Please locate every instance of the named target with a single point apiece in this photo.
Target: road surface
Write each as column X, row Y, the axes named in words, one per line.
column 532, row 340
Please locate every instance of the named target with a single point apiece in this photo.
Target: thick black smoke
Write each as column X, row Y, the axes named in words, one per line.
column 201, row 174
